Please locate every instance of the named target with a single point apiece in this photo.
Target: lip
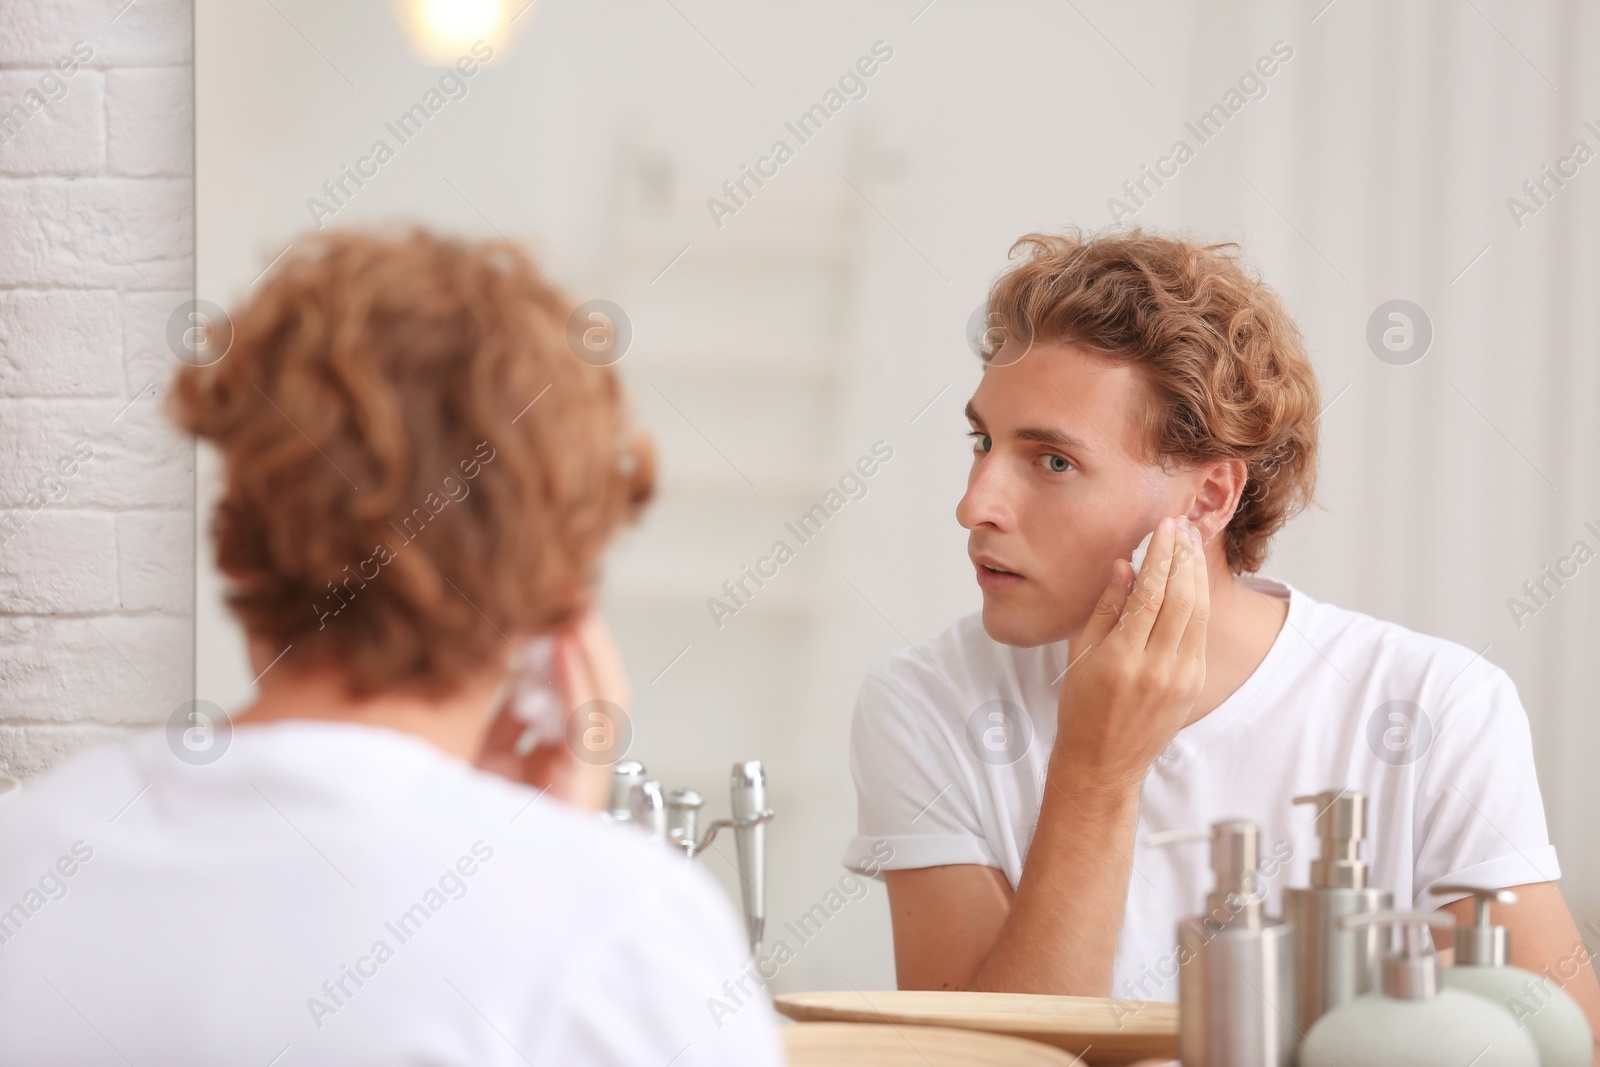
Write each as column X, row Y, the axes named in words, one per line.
column 994, row 575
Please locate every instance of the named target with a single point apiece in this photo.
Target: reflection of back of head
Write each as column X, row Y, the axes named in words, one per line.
column 452, row 343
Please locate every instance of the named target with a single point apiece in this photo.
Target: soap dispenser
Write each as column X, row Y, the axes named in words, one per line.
column 1553, row 1019
column 1235, row 965
column 1413, row 1021
column 1334, row 964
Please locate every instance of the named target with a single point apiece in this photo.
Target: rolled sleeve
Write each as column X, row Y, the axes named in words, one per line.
column 1480, row 814
column 914, row 796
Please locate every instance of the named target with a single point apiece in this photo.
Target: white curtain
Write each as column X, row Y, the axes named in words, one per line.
column 1385, row 172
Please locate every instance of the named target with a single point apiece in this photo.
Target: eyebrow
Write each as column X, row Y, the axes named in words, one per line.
column 1062, row 439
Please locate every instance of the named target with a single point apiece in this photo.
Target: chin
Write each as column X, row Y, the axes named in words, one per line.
column 1010, row 625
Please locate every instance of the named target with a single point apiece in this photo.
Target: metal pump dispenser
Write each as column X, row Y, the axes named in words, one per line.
column 1235, row 965
column 1553, row 1018
column 674, row 819
column 1482, row 944
column 1334, row 963
column 1415, row 1020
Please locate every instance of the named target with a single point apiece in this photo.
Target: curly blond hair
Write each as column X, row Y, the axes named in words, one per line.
column 1223, row 361
column 394, row 507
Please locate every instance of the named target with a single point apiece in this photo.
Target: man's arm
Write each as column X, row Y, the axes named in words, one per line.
column 959, row 927
column 946, row 919
column 1544, row 940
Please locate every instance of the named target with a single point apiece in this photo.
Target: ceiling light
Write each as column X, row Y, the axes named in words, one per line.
column 442, row 30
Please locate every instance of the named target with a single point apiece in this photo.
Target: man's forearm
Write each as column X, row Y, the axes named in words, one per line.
column 1141, row 669
column 1061, row 933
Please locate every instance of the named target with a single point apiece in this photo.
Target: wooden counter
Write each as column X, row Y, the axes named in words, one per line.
column 1099, row 1030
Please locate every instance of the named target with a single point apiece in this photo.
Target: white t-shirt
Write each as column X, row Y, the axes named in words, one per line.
column 328, row 893
column 951, row 742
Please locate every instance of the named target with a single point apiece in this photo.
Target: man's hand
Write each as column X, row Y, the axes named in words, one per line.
column 1133, row 683
column 1128, row 689
column 588, row 668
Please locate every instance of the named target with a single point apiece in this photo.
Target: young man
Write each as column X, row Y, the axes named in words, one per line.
column 1016, row 764
column 368, row 866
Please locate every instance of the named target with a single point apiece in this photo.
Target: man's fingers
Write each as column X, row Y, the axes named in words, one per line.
column 1106, row 611
column 574, row 675
column 1192, row 647
column 606, row 668
column 497, row 753
column 1178, row 604
column 1150, row 587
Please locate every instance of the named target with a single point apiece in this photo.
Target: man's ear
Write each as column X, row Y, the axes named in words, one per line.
column 1222, row 484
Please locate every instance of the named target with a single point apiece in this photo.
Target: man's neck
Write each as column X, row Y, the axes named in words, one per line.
column 1241, row 629
column 456, row 723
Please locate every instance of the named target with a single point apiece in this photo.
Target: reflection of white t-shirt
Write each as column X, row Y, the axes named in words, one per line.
column 952, row 739
column 329, row 893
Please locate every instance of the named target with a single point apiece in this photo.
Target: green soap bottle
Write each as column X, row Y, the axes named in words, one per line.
column 1553, row 1019
column 1414, row 1022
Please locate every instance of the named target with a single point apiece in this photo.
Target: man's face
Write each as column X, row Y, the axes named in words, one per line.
column 1060, row 486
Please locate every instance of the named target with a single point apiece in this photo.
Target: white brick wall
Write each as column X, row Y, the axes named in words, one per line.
column 96, row 250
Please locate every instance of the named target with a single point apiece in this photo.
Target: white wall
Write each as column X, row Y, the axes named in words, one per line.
column 1377, row 166
column 96, row 493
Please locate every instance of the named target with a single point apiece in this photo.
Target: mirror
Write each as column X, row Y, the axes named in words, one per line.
column 791, row 216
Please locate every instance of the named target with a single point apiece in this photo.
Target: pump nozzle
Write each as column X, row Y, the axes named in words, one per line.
column 1235, row 855
column 1414, row 973
column 1481, row 944
column 1341, row 822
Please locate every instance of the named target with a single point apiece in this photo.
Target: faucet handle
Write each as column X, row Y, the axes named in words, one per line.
column 648, row 807
column 683, row 819
column 625, row 776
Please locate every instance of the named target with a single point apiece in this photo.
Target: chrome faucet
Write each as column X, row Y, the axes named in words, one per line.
column 674, row 818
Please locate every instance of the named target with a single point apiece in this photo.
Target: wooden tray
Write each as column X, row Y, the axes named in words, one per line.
column 1101, row 1031
column 879, row 1045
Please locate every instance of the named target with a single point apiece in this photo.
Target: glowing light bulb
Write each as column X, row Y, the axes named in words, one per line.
column 441, row 30
column 458, row 21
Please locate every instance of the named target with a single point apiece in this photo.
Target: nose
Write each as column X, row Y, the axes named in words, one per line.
column 985, row 502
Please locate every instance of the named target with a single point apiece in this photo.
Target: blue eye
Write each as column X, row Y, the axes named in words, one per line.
column 1059, row 464
column 985, row 442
